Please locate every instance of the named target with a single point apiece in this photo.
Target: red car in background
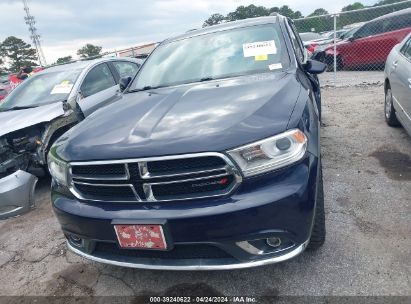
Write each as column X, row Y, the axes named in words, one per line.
column 15, row 81
column 370, row 45
column 4, row 91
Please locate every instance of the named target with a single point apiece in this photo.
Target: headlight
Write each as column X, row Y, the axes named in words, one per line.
column 270, row 153
column 57, row 167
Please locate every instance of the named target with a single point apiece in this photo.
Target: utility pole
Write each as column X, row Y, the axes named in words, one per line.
column 30, row 21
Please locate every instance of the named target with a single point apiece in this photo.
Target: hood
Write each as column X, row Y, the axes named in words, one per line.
column 11, row 121
column 199, row 117
column 340, row 43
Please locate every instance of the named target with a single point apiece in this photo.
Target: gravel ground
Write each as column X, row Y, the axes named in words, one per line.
column 352, row 78
column 367, row 175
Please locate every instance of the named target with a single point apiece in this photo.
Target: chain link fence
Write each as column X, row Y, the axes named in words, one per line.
column 355, row 44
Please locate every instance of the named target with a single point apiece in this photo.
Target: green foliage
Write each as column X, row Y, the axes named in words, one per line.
column 326, row 23
column 89, row 50
column 353, row 7
column 64, row 59
column 214, row 19
column 2, row 69
column 318, row 12
column 285, row 10
column 384, row 2
column 318, row 22
column 251, row 11
column 18, row 53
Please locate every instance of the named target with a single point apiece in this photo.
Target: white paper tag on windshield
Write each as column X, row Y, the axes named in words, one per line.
column 63, row 88
column 275, row 66
column 259, row 48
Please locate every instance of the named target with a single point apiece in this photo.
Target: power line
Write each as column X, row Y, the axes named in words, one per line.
column 30, row 21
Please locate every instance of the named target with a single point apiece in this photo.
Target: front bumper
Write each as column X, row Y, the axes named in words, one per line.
column 188, row 265
column 280, row 204
column 16, row 193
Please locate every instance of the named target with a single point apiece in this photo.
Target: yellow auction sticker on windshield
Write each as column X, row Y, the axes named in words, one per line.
column 259, row 48
column 261, row 57
column 61, row 89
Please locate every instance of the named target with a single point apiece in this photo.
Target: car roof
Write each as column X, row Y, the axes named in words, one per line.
column 397, row 13
column 84, row 64
column 226, row 26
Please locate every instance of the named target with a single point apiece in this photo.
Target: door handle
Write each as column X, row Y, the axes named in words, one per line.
column 409, row 80
column 395, row 64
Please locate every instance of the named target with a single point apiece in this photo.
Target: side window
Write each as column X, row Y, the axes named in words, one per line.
column 406, row 49
column 298, row 46
column 98, row 79
column 370, row 29
column 388, row 25
column 400, row 22
column 125, row 68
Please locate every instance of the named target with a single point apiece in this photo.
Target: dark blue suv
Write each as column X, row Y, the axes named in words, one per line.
column 211, row 159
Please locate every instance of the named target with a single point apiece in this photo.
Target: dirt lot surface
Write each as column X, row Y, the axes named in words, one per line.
column 367, row 174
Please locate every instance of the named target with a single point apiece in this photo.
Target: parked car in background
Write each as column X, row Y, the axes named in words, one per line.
column 398, row 85
column 4, row 79
column 4, row 91
column 15, row 80
column 211, row 160
column 326, row 38
column 308, row 36
column 370, row 45
column 318, row 52
column 42, row 108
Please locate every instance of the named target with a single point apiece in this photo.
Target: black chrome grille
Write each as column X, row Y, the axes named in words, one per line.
column 155, row 179
column 165, row 191
column 119, row 192
column 188, row 164
column 109, row 171
column 197, row 251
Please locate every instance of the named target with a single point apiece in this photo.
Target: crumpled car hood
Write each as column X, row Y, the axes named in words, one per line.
column 11, row 121
column 199, row 117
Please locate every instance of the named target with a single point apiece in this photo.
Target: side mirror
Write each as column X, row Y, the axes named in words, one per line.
column 315, row 67
column 124, row 82
column 352, row 38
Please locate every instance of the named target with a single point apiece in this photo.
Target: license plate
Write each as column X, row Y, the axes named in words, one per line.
column 141, row 236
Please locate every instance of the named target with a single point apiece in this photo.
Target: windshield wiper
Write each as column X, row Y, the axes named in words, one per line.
column 206, row 78
column 146, row 88
column 17, row 108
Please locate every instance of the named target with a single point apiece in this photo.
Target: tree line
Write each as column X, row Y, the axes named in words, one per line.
column 17, row 54
column 251, row 11
column 356, row 15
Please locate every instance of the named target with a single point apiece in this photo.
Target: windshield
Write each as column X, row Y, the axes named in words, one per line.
column 229, row 53
column 349, row 33
column 309, row 36
column 41, row 89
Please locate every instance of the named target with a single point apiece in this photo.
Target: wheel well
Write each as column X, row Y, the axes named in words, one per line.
column 57, row 134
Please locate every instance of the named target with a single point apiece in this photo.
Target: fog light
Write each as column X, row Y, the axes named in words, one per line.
column 75, row 240
column 273, row 242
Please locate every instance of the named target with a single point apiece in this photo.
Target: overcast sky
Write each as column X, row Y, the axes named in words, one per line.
column 67, row 25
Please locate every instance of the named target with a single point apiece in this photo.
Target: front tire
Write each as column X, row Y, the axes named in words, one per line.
column 390, row 116
column 318, row 233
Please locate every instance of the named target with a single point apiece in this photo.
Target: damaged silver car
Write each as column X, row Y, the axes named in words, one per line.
column 40, row 110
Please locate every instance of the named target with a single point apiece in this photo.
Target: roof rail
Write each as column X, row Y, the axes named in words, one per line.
column 92, row 57
column 58, row 64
